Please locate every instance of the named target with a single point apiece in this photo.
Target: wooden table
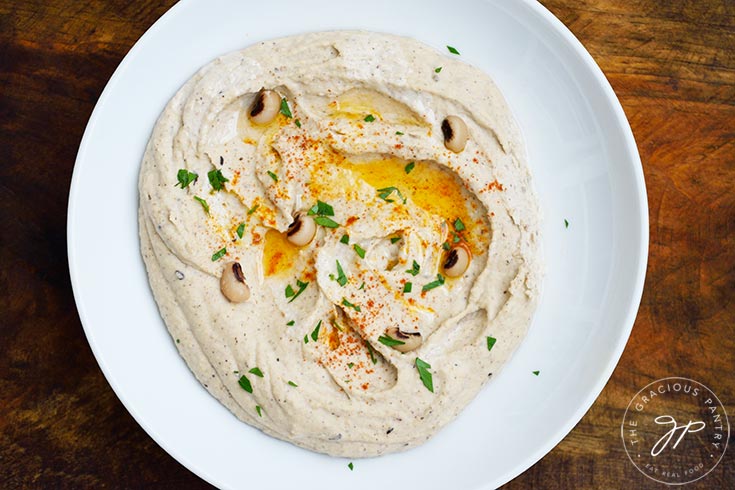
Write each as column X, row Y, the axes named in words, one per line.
column 672, row 65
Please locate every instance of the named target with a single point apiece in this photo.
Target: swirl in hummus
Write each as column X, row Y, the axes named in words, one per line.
column 341, row 234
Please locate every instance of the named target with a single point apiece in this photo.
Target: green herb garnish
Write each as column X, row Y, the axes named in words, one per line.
column 446, row 246
column 306, row 339
column 438, row 69
column 216, row 179
column 203, row 203
column 285, row 110
column 244, row 382
column 387, row 191
column 371, row 352
column 219, row 254
column 350, row 305
column 272, row 176
column 425, row 375
column 395, row 239
column 410, row 167
column 399, row 133
column 451, row 50
column 253, row 209
column 566, row 224
column 291, row 323
column 322, row 209
column 369, row 118
column 315, row 333
column 293, row 295
column 256, row 371
column 345, row 239
column 259, row 410
column 456, row 238
column 341, row 278
column 293, row 384
column 389, row 341
column 289, row 291
column 434, row 284
column 185, row 178
column 407, row 287
column 241, row 230
column 536, row 372
column 414, row 271
column 491, row 342
column 458, row 225
column 351, row 466
column 298, row 123
column 350, row 364
column 326, row 222
column 359, row 250
column 362, row 286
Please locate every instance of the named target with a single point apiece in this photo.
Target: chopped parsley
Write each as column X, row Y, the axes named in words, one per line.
column 425, row 375
column 244, row 383
column 395, row 239
column 491, row 342
column 315, row 333
column 321, row 209
column 241, row 230
column 253, row 209
column 272, row 176
column 410, row 167
column 446, row 246
column 351, row 466
column 203, row 203
column 291, row 323
column 256, row 371
column 458, row 225
column 437, row 69
column 399, row 133
column 451, row 50
column 387, row 191
column 456, row 238
column 216, row 179
column 306, row 338
column 369, row 118
column 185, row 178
column 371, row 352
column 345, row 239
column 326, row 222
column 414, row 271
column 350, row 305
column 298, row 123
column 407, row 287
column 285, row 110
column 293, row 384
column 389, row 341
column 259, row 410
column 434, row 284
column 341, row 278
column 350, row 364
column 293, row 295
column 359, row 250
column 219, row 254
column 362, row 286
column 566, row 224
column 536, row 372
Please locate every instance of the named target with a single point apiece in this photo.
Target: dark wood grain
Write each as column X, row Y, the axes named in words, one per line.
column 672, row 65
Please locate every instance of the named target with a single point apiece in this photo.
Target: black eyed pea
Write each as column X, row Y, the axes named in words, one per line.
column 457, row 261
column 301, row 232
column 455, row 133
column 265, row 107
column 232, row 283
column 411, row 340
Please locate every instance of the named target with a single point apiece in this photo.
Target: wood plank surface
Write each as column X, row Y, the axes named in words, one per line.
column 672, row 64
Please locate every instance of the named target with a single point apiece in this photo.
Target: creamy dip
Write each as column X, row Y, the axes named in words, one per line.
column 311, row 355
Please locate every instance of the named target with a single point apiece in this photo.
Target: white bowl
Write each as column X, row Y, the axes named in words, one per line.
column 586, row 170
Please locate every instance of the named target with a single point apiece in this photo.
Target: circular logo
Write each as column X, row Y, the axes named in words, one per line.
column 675, row 430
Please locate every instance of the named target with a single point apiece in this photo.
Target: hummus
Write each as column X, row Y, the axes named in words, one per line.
column 420, row 267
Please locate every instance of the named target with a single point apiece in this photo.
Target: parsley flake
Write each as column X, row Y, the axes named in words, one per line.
column 293, row 384
column 410, row 167
column 216, row 179
column 289, row 291
column 185, row 178
column 291, row 323
column 359, row 250
column 491, row 342
column 446, row 246
column 425, row 375
column 399, row 133
column 203, row 203
column 219, row 254
column 566, row 224
column 285, row 110
column 437, row 69
column 536, row 372
column 306, row 339
column 293, row 295
column 395, row 239
column 369, row 118
column 451, row 50
column 387, row 191
column 321, row 209
column 341, row 278
column 298, row 123
column 244, row 383
column 407, row 287
column 345, row 239
column 315, row 333
column 256, row 371
column 371, row 352
column 241, row 230
column 272, row 176
column 434, row 284
column 458, row 225
column 389, row 341
column 414, row 271
column 350, row 364
column 253, row 209
column 326, row 222
column 362, row 286
column 259, row 409
column 351, row 466
column 350, row 305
